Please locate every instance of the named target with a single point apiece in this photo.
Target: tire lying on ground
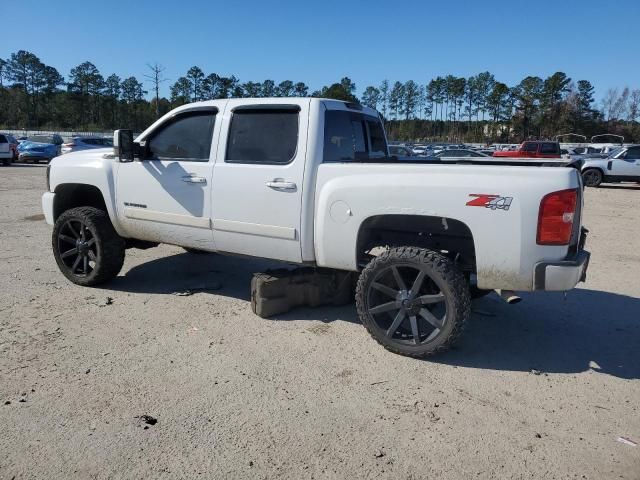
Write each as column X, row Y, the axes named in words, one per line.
column 413, row 301
column 86, row 247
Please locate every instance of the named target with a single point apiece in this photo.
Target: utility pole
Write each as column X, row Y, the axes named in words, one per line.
column 156, row 78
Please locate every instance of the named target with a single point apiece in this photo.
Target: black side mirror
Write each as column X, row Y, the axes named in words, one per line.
column 123, row 147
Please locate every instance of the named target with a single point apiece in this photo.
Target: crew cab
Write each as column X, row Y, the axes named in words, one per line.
column 309, row 181
column 533, row 149
column 621, row 165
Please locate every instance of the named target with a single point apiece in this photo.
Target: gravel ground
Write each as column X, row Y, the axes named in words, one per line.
column 542, row 389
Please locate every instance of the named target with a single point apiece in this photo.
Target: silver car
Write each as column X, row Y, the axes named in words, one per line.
column 75, row 144
column 621, row 165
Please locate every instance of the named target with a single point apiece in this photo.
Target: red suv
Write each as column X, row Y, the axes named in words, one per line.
column 537, row 149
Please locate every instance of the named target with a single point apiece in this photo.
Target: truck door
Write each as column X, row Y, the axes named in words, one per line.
column 165, row 196
column 627, row 166
column 258, row 177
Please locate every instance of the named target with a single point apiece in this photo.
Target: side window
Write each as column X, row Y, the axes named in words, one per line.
column 530, row 147
column 187, row 137
column 3, row 139
column 344, row 136
column 549, row 148
column 350, row 136
column 633, row 154
column 267, row 136
column 378, row 145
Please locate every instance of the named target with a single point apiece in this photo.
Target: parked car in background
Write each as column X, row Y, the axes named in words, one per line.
column 421, row 150
column 400, row 151
column 40, row 147
column 622, row 165
column 533, row 149
column 10, row 144
column 6, row 155
column 459, row 153
column 75, row 144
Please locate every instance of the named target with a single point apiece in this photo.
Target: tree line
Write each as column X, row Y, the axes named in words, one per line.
column 480, row 108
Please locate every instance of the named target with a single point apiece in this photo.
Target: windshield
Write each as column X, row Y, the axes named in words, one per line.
column 40, row 139
column 614, row 152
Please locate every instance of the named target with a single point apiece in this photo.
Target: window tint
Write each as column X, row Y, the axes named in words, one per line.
column 530, row 147
column 350, row 136
column 187, row 137
column 633, row 153
column 267, row 136
column 549, row 148
column 3, row 139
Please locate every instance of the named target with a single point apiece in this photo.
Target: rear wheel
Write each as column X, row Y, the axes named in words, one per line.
column 86, row 247
column 413, row 301
column 592, row 177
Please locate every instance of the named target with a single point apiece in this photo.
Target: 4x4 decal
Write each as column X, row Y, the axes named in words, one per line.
column 494, row 202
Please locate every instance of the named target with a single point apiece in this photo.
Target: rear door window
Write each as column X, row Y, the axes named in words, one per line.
column 3, row 139
column 530, row 147
column 263, row 135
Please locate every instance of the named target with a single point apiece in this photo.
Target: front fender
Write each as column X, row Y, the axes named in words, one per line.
column 95, row 168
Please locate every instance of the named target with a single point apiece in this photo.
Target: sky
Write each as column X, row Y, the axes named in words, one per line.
column 321, row 42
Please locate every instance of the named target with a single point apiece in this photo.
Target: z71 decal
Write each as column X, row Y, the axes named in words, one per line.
column 494, row 202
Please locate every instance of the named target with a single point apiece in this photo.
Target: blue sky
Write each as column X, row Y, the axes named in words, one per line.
column 320, row 42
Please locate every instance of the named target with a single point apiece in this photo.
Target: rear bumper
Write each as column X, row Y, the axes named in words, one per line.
column 562, row 275
column 47, row 206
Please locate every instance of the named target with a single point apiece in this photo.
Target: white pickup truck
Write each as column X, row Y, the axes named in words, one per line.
column 309, row 181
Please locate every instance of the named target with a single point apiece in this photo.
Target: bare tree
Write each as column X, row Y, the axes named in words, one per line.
column 156, row 78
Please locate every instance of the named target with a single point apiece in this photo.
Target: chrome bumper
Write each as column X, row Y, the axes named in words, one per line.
column 562, row 275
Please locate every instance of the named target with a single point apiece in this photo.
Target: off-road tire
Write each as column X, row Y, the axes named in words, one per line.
column 592, row 177
column 441, row 271
column 109, row 249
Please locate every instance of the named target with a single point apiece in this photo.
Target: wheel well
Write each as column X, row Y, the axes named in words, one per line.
column 71, row 195
column 593, row 168
column 449, row 236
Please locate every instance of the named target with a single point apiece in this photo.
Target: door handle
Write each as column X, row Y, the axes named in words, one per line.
column 279, row 184
column 194, row 179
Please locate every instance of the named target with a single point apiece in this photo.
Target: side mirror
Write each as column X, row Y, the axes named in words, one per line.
column 123, row 146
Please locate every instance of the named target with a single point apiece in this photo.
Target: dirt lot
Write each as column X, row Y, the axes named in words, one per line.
column 542, row 389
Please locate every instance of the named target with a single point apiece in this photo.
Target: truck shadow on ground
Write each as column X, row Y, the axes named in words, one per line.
column 547, row 332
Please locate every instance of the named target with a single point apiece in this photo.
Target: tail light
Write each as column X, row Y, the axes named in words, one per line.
column 68, row 144
column 556, row 216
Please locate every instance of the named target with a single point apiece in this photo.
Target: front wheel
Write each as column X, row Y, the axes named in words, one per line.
column 413, row 301
column 86, row 247
column 592, row 177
